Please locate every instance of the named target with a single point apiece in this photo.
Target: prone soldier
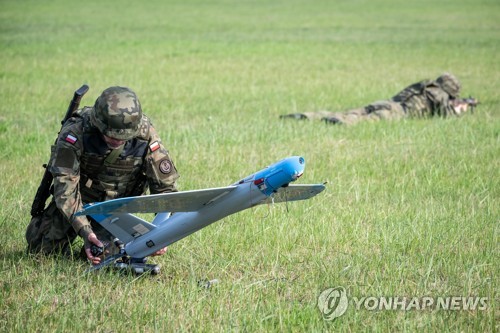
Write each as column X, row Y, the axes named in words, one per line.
column 427, row 98
column 106, row 151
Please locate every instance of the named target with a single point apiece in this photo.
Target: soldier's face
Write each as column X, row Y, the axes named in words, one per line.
column 113, row 143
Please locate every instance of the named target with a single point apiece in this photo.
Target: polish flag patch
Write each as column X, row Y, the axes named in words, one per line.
column 71, row 139
column 154, row 146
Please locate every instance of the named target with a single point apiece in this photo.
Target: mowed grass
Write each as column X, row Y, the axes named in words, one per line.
column 411, row 208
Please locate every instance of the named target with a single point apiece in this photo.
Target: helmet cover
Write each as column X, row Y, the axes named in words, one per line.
column 449, row 83
column 117, row 113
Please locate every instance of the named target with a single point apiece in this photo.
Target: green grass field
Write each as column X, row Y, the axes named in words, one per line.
column 411, row 208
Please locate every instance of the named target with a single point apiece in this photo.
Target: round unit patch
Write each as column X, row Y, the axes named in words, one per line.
column 165, row 166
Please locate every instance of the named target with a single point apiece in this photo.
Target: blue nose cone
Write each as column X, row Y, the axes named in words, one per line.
column 280, row 174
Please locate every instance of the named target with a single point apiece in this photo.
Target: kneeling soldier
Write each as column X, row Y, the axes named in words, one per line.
column 107, row 151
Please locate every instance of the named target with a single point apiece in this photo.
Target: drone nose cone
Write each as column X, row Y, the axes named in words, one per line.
column 294, row 167
column 299, row 164
column 280, row 174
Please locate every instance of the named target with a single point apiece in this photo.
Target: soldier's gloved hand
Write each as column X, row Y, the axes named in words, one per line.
column 89, row 239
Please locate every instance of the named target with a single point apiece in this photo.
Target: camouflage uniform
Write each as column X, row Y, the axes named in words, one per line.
column 422, row 99
column 86, row 170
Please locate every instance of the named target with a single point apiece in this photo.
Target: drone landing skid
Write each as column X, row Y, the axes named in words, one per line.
column 136, row 267
column 127, row 265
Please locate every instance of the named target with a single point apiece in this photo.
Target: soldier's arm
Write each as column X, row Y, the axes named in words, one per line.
column 65, row 168
column 440, row 102
column 160, row 169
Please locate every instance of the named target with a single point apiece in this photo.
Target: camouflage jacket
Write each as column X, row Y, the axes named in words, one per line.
column 425, row 99
column 83, row 175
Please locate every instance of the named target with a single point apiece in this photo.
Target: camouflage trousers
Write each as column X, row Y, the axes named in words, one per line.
column 52, row 233
column 381, row 110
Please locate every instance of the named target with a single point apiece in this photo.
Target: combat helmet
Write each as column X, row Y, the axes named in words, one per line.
column 449, row 83
column 117, row 113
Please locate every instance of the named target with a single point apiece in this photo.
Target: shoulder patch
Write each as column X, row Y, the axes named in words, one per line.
column 165, row 166
column 71, row 139
column 65, row 158
column 154, row 146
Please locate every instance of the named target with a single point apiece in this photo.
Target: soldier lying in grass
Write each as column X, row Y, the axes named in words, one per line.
column 422, row 99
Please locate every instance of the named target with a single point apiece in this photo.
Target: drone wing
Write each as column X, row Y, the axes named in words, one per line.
column 186, row 201
column 115, row 215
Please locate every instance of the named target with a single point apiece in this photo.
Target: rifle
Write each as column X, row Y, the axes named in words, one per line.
column 43, row 192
